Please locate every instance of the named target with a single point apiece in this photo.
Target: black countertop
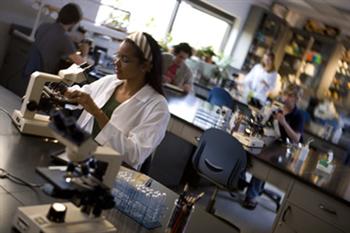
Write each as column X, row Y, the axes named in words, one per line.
column 21, row 154
column 188, row 107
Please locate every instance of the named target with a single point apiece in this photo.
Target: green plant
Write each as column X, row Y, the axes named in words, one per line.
column 165, row 42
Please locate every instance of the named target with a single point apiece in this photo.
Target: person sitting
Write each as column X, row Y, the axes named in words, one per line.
column 127, row 111
column 175, row 71
column 291, row 125
column 53, row 43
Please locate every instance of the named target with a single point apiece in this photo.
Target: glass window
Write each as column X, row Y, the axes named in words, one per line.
column 199, row 28
column 151, row 16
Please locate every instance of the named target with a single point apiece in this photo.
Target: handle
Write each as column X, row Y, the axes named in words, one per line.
column 285, row 213
column 325, row 208
column 197, row 138
column 212, row 166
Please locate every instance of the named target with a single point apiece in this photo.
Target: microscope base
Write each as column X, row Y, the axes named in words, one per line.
column 32, row 219
column 37, row 126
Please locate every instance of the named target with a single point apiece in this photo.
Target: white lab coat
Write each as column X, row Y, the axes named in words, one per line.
column 136, row 127
column 253, row 82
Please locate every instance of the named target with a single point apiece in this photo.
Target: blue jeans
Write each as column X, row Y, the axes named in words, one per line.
column 255, row 188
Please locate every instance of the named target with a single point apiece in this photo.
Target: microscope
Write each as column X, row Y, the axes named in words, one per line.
column 32, row 118
column 250, row 135
column 86, row 181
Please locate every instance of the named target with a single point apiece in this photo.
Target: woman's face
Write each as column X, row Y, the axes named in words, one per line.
column 127, row 64
column 267, row 61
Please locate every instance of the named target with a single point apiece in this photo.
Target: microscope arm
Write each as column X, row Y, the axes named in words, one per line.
column 33, row 93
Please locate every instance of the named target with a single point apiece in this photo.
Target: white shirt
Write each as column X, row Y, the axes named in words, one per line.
column 254, row 82
column 137, row 125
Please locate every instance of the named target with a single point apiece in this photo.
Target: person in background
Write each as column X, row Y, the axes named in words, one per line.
column 325, row 113
column 261, row 79
column 175, row 71
column 52, row 42
column 291, row 125
column 127, row 111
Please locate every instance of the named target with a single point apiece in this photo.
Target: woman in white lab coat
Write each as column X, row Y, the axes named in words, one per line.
column 262, row 78
column 127, row 111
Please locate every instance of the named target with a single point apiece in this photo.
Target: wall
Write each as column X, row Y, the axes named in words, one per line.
column 240, row 10
column 14, row 11
column 21, row 12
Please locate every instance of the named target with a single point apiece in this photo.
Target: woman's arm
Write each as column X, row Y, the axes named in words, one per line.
column 89, row 105
column 141, row 141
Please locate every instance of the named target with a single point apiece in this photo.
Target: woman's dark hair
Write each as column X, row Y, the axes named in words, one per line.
column 70, row 14
column 183, row 47
column 153, row 77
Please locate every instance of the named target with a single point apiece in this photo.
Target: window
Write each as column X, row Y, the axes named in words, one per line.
column 199, row 28
column 151, row 16
column 192, row 21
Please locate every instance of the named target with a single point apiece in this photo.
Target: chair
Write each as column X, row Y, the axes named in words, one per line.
column 219, row 158
column 219, row 96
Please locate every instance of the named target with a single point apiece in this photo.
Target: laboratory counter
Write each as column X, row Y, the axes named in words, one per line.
column 311, row 195
column 202, row 115
column 21, row 154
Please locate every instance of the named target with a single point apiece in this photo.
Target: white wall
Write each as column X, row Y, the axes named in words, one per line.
column 239, row 9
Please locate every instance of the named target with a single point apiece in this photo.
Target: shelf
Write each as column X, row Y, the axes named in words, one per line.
column 294, row 56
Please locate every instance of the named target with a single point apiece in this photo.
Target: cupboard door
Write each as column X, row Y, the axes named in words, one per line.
column 321, row 205
column 296, row 220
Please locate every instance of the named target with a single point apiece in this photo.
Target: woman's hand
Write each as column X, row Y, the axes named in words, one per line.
column 84, row 100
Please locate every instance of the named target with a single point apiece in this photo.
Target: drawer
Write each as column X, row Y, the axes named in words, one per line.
column 259, row 169
column 294, row 219
column 321, row 205
column 190, row 134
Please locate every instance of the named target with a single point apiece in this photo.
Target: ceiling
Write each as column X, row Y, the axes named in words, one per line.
column 332, row 12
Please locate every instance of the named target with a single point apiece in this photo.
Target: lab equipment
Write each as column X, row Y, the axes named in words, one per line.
column 40, row 97
column 86, row 181
column 181, row 213
column 135, row 198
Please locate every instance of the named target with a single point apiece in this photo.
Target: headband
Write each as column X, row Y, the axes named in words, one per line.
column 141, row 41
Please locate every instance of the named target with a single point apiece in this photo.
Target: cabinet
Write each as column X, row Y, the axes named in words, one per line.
column 268, row 36
column 294, row 55
column 306, row 209
column 14, row 62
column 305, row 57
column 340, row 84
column 295, row 219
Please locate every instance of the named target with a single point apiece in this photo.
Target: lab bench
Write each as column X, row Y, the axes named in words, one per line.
column 311, row 196
column 21, row 154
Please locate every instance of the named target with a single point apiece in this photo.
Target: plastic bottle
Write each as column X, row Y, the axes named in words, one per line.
column 337, row 134
column 304, row 152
